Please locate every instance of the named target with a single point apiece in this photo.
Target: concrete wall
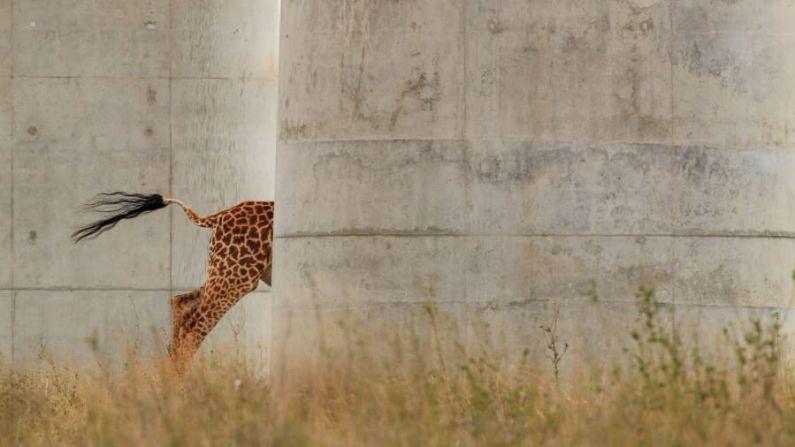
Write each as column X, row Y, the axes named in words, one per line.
column 494, row 157
column 171, row 96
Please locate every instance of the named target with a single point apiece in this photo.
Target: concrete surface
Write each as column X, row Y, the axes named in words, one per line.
column 500, row 155
column 231, row 126
column 176, row 97
column 244, row 334
column 6, row 25
column 81, row 325
column 6, row 331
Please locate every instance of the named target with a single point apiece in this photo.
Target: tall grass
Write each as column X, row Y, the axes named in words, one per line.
column 665, row 392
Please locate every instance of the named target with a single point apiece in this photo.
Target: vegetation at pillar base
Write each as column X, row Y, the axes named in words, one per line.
column 428, row 390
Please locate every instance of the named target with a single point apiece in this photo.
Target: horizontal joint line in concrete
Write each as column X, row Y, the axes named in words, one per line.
column 496, row 305
column 82, row 289
column 467, row 139
column 103, row 289
column 727, row 235
column 667, row 304
column 148, row 78
column 531, row 139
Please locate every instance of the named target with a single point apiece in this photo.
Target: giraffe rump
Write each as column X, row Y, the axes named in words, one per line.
column 117, row 206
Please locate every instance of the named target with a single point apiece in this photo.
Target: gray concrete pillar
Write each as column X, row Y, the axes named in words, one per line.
column 495, row 157
column 171, row 96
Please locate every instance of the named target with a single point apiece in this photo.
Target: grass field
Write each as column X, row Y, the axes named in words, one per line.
column 664, row 392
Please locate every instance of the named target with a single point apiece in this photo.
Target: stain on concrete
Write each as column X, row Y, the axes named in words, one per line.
column 495, row 27
column 356, row 93
column 714, row 65
column 291, row 132
column 696, row 166
column 692, row 164
column 424, row 89
column 487, row 85
column 272, row 69
column 704, row 52
column 633, row 101
column 33, row 131
column 647, row 26
column 644, row 3
column 526, row 163
column 330, row 164
column 591, row 37
column 151, row 95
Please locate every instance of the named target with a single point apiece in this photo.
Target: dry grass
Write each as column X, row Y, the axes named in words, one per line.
column 437, row 393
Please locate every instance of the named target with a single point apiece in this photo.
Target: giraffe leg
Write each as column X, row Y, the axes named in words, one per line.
column 216, row 302
column 181, row 307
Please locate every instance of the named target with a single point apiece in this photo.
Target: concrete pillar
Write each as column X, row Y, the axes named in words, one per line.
column 495, row 157
column 170, row 96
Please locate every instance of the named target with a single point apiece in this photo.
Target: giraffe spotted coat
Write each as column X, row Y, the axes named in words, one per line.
column 239, row 257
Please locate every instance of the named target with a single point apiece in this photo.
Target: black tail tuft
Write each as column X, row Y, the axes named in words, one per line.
column 119, row 206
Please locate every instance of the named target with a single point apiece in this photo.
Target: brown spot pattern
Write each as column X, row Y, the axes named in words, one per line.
column 239, row 257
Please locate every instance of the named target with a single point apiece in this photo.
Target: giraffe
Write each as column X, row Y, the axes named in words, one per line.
column 239, row 257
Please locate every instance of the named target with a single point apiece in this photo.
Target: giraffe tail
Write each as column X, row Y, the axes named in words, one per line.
column 117, row 206
column 206, row 222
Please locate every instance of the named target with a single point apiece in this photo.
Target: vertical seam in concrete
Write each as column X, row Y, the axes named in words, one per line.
column 11, row 169
column 467, row 146
column 673, row 149
column 13, row 323
column 272, row 297
column 462, row 90
column 464, row 118
column 170, row 146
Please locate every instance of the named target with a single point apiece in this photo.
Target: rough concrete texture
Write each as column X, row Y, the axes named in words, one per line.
column 6, row 312
column 78, row 325
column 6, row 24
column 494, row 157
column 177, row 97
column 231, row 126
column 244, row 334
